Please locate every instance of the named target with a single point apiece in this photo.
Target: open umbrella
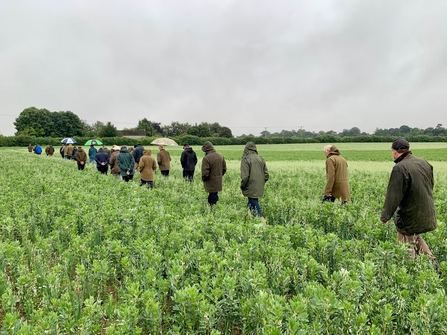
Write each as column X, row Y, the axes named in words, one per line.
column 93, row 142
column 68, row 140
column 164, row 141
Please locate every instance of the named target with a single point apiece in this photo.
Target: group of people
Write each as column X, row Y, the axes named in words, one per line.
column 409, row 195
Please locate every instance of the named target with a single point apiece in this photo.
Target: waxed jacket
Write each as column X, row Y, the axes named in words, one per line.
column 49, row 150
column 213, row 168
column 337, row 182
column 188, row 159
column 410, row 195
column 164, row 160
column 147, row 166
column 254, row 172
column 113, row 162
column 81, row 156
column 126, row 162
column 68, row 150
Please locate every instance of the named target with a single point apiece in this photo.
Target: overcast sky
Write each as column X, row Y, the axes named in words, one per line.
column 283, row 64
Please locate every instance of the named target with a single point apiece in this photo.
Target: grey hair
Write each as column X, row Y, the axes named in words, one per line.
column 327, row 147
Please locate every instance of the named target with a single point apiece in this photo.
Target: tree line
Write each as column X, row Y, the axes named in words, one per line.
column 35, row 122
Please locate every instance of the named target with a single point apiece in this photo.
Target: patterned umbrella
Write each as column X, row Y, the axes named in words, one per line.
column 68, row 140
column 93, row 142
column 164, row 141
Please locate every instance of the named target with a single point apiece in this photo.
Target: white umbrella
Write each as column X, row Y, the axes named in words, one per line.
column 164, row 141
column 68, row 140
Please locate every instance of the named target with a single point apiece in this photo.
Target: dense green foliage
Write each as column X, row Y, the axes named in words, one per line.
column 83, row 253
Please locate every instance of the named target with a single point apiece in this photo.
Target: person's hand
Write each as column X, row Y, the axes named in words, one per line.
column 128, row 172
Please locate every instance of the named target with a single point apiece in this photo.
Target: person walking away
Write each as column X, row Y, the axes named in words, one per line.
column 68, row 151
column 126, row 164
column 30, row 148
column 137, row 153
column 147, row 166
column 213, row 169
column 61, row 151
column 188, row 159
column 49, row 150
column 91, row 154
column 337, row 183
column 81, row 158
column 113, row 162
column 102, row 161
column 409, row 197
column 164, row 161
column 37, row 149
column 254, row 175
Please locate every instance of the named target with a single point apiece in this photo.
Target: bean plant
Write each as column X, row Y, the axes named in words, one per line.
column 85, row 253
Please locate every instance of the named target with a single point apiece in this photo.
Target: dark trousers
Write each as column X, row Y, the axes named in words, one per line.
column 253, row 206
column 126, row 178
column 213, row 198
column 164, row 173
column 188, row 175
column 102, row 169
column 81, row 166
column 150, row 183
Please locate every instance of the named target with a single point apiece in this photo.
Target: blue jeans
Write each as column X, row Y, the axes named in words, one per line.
column 253, row 206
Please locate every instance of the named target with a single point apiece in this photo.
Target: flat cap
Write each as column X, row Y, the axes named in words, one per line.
column 400, row 144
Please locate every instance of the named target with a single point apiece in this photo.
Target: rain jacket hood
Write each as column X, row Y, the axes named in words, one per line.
column 208, row 147
column 250, row 148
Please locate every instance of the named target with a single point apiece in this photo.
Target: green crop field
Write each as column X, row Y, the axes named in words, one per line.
column 84, row 253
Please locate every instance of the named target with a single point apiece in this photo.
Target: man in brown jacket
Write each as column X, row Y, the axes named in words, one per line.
column 81, row 158
column 164, row 161
column 147, row 166
column 113, row 162
column 337, row 184
column 213, row 169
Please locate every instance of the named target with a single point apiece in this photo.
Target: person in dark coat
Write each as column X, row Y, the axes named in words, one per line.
column 126, row 163
column 137, row 153
column 73, row 154
column 254, row 175
column 113, row 162
column 337, row 184
column 49, row 150
column 102, row 161
column 30, row 148
column 81, row 158
column 188, row 159
column 61, row 151
column 213, row 169
column 409, row 197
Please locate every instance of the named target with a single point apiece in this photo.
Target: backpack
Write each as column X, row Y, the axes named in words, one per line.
column 38, row 150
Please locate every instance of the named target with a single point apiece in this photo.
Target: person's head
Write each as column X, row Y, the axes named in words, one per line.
column 124, row 147
column 185, row 146
column 160, row 147
column 399, row 147
column 327, row 149
column 92, row 146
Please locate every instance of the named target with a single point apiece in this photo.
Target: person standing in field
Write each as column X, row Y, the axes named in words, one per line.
column 337, row 184
column 49, row 150
column 409, row 197
column 30, row 148
column 102, row 161
column 68, row 151
column 37, row 149
column 113, row 161
column 147, row 166
column 61, row 151
column 91, row 154
column 126, row 163
column 81, row 158
column 137, row 153
column 254, row 175
column 188, row 159
column 164, row 161
column 213, row 169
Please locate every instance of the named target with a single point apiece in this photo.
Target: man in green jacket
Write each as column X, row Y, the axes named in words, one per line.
column 410, row 195
column 254, row 175
column 213, row 169
column 126, row 163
